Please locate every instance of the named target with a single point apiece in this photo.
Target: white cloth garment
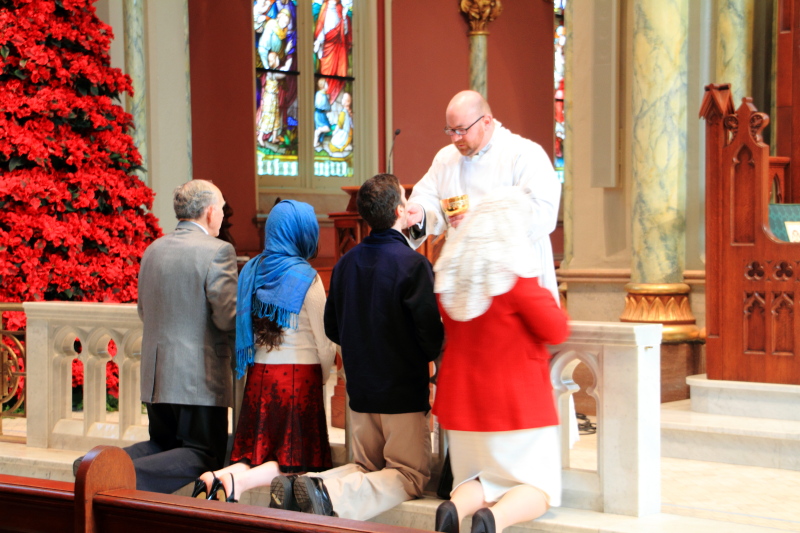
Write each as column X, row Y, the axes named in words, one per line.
column 507, row 160
column 487, row 254
column 306, row 345
column 502, row 460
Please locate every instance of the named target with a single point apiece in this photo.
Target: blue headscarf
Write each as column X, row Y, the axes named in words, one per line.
column 274, row 283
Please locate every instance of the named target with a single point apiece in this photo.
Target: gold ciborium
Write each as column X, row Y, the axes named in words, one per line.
column 455, row 205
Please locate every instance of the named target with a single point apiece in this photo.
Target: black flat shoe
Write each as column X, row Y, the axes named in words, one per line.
column 447, row 518
column 483, row 521
column 218, row 489
column 281, row 493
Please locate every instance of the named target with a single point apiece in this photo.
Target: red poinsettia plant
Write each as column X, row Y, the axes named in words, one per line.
column 74, row 216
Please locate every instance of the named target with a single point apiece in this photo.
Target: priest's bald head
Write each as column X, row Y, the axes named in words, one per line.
column 469, row 122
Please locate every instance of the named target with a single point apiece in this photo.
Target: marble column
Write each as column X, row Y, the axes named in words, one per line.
column 188, row 80
column 734, row 46
column 479, row 13
column 658, row 161
column 136, row 68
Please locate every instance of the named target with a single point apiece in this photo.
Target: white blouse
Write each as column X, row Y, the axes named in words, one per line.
column 306, row 345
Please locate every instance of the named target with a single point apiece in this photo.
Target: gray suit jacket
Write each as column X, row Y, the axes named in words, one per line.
column 187, row 301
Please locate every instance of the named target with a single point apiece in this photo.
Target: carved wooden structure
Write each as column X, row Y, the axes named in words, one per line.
column 351, row 228
column 753, row 279
column 103, row 499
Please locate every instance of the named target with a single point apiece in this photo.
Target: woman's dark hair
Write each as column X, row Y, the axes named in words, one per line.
column 377, row 200
column 268, row 333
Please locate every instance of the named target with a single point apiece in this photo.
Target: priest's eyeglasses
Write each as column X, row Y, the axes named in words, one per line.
column 461, row 131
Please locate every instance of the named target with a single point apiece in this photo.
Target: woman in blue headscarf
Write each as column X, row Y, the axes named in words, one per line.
column 281, row 344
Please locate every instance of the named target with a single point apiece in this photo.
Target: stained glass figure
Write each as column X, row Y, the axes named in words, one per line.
column 333, row 133
column 275, row 23
column 333, row 96
column 559, row 42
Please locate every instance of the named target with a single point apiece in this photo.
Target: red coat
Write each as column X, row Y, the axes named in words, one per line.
column 495, row 374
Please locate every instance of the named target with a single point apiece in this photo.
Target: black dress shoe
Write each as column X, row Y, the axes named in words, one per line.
column 77, row 464
column 218, row 489
column 447, row 518
column 483, row 521
column 281, row 493
column 312, row 497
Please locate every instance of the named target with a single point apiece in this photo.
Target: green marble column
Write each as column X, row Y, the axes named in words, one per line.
column 478, row 14
column 477, row 62
column 734, row 46
column 188, row 79
column 658, row 161
column 136, row 68
column 659, row 140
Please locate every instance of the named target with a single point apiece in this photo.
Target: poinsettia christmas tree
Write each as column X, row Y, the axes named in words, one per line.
column 74, row 217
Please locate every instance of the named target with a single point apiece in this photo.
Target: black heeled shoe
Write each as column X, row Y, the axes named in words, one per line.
column 217, row 487
column 199, row 490
column 447, row 518
column 483, row 521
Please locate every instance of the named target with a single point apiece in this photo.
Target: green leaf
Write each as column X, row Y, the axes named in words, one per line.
column 14, row 163
column 23, row 62
column 20, row 74
column 94, row 90
column 4, row 51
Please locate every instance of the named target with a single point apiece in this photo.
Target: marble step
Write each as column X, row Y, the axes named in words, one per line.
column 740, row 440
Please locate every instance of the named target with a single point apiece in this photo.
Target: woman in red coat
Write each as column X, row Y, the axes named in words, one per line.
column 494, row 396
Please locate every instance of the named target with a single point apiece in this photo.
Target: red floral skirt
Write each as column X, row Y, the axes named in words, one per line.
column 283, row 419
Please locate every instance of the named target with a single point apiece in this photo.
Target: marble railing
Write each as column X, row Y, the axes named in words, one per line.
column 624, row 360
column 52, row 328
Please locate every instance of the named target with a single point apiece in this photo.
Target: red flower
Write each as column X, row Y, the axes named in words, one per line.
column 74, row 218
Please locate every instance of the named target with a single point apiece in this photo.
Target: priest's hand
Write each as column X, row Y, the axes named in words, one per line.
column 415, row 213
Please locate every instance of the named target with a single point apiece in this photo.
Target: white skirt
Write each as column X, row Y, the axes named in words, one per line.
column 502, row 460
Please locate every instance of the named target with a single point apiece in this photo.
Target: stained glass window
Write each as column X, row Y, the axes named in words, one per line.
column 559, row 42
column 333, row 88
column 275, row 24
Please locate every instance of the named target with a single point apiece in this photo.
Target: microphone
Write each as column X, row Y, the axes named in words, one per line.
column 394, row 137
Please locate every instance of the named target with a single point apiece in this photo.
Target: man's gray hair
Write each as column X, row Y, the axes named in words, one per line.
column 192, row 198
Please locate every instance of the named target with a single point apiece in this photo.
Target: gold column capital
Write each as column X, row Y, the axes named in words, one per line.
column 664, row 303
column 479, row 13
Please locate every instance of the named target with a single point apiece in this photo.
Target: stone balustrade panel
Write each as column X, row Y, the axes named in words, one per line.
column 52, row 328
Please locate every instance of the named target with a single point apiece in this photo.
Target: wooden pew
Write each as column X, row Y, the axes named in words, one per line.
column 36, row 505
column 105, row 501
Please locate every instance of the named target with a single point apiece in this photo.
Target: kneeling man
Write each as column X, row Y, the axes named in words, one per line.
column 382, row 312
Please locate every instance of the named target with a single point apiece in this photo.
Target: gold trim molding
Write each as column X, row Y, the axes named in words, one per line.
column 617, row 275
column 479, row 13
column 664, row 303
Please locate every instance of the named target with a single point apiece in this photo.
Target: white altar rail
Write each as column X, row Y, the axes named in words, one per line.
column 52, row 328
column 624, row 360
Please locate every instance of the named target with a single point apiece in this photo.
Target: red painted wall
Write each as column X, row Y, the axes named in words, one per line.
column 221, row 54
column 430, row 63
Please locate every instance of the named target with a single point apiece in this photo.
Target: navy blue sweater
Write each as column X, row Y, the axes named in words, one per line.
column 382, row 311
